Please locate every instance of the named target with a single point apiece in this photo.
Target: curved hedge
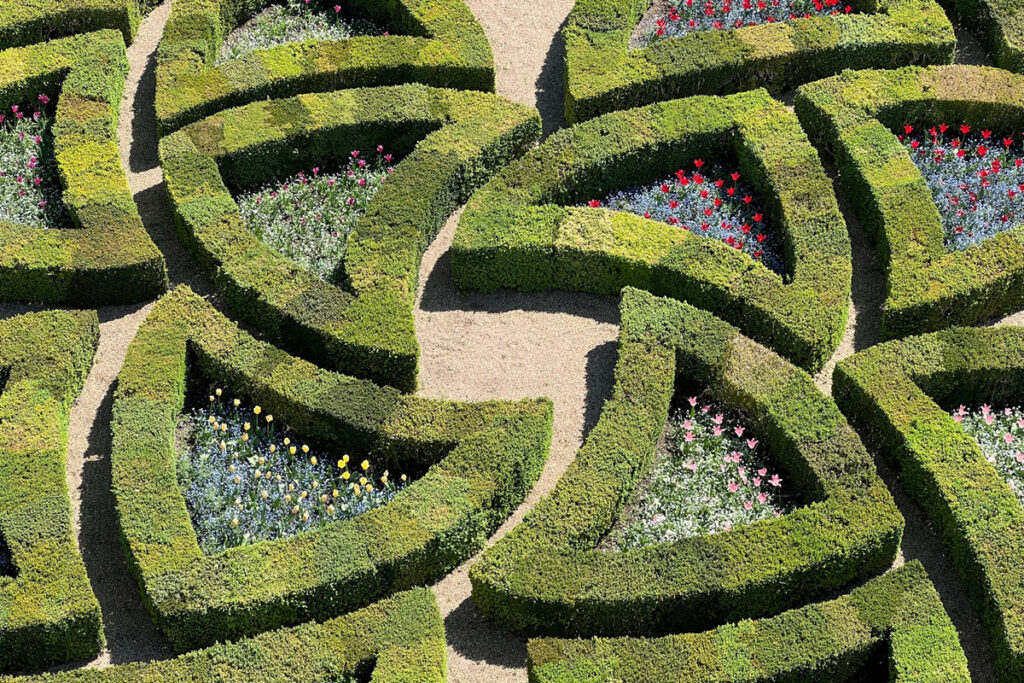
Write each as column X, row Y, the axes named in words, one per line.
column 442, row 44
column 852, row 116
column 483, row 458
column 603, row 74
column 998, row 25
column 48, row 613
column 365, row 330
column 546, row 577
column 898, row 614
column 898, row 395
column 23, row 22
column 108, row 257
column 515, row 233
column 399, row 640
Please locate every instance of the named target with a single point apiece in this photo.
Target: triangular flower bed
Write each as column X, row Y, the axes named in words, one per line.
column 521, row 230
column 858, row 117
column 479, row 459
column 452, row 142
column 440, row 43
column 549, row 577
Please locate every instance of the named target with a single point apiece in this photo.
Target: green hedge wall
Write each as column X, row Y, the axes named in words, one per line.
column 107, row 257
column 898, row 396
column 399, row 640
column 482, row 458
column 898, row 614
column 604, row 74
column 440, row 43
column 852, row 116
column 23, row 22
column 998, row 24
column 547, row 577
column 48, row 613
column 366, row 329
column 515, row 233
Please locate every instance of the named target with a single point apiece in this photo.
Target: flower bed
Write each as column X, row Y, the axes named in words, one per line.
column 294, row 22
column 110, row 259
column 477, row 461
column 451, row 142
column 857, row 117
column 437, row 42
column 709, row 202
column 603, row 74
column 522, row 231
column 30, row 191
column 998, row 434
column 903, row 397
column 548, row 575
column 309, row 216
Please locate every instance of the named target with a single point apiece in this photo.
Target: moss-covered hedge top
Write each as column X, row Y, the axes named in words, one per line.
column 547, row 577
column 108, row 256
column 23, row 22
column 365, row 329
column 899, row 612
column 852, row 115
column 604, row 74
column 48, row 613
column 516, row 233
column 482, row 459
column 398, row 640
column 899, row 395
column 440, row 42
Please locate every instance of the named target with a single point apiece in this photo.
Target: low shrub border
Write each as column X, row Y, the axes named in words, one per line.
column 546, row 577
column 604, row 74
column 23, row 22
column 898, row 613
column 483, row 458
column 514, row 233
column 898, row 395
column 108, row 258
column 365, row 330
column 441, row 44
column 852, row 116
column 398, row 640
column 997, row 25
column 48, row 613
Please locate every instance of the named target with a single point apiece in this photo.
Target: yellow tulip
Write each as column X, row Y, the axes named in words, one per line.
column 256, row 410
column 237, row 402
column 330, row 509
column 305, row 448
column 365, row 464
column 218, row 392
column 312, row 461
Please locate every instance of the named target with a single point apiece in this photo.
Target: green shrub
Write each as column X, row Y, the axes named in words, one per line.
column 898, row 395
column 603, row 74
column 898, row 614
column 482, row 460
column 108, row 257
column 23, row 22
column 48, row 613
column 441, row 44
column 515, row 233
column 998, row 24
column 366, row 329
column 547, row 577
column 852, row 116
column 398, row 640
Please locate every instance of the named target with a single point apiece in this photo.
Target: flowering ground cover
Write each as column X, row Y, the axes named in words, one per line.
column 976, row 179
column 309, row 216
column 999, row 435
column 711, row 202
column 690, row 16
column 708, row 477
column 244, row 481
column 295, row 21
column 30, row 191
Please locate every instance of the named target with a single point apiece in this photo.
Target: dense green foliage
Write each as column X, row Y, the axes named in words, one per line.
column 24, row 22
column 546, row 577
column 518, row 232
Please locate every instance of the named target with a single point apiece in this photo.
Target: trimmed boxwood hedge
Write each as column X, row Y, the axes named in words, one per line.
column 23, row 22
column 998, row 24
column 604, row 74
column 852, row 116
column 482, row 458
column 898, row 395
column 48, row 613
column 514, row 233
column 898, row 614
column 398, row 640
column 108, row 257
column 366, row 329
column 442, row 44
column 547, row 577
